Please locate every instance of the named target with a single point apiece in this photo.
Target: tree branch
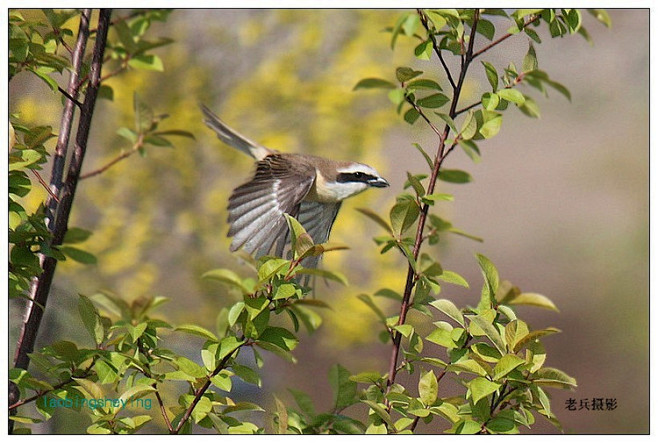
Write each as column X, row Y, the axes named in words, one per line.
column 440, row 157
column 202, row 390
column 58, row 213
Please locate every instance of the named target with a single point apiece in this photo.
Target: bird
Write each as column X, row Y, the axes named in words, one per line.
column 307, row 187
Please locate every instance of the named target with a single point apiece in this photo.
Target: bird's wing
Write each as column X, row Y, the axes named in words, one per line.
column 256, row 208
column 318, row 219
column 233, row 138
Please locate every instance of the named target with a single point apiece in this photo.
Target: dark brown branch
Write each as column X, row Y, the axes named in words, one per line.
column 441, row 155
column 69, row 96
column 58, row 213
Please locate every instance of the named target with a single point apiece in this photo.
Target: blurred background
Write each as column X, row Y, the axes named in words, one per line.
column 561, row 202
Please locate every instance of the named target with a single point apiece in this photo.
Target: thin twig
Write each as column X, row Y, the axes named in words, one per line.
column 136, row 147
column 505, row 37
column 149, row 374
column 67, row 95
column 435, row 46
column 422, row 114
column 45, row 185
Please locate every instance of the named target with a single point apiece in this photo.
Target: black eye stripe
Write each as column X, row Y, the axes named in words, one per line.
column 362, row 177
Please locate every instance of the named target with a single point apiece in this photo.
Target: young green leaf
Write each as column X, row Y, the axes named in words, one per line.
column 428, row 388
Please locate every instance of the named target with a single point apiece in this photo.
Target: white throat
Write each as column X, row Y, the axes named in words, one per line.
column 332, row 192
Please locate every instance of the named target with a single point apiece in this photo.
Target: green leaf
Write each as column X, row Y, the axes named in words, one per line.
column 492, row 75
column 530, row 60
column 469, row 126
column 127, row 134
column 530, row 108
column 247, row 374
column 78, row 255
column 449, row 309
column 433, row 101
column 371, row 83
column 149, row 62
column 489, row 331
column 502, row 425
column 480, row 387
column 512, row 95
column 91, row 319
column 454, row 176
column 466, row 427
column 423, row 83
column 449, row 121
column 602, row 16
column 380, row 411
column 405, row 330
column 415, row 183
column 234, row 312
column 491, row 123
column 534, row 335
column 427, row 158
column 428, row 388
column 76, row 235
column 411, row 116
column 486, row 28
column 304, row 402
column 404, row 74
column 223, row 380
column 533, row 299
column 490, row 274
column 271, row 267
column 424, row 50
column 396, row 96
column 514, row 332
column 280, row 337
column 553, row 378
column 344, row 389
column 403, row 214
column 197, row 330
column 454, row 278
column 506, row 364
column 228, row 345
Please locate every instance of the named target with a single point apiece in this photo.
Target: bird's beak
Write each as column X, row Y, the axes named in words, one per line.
column 378, row 183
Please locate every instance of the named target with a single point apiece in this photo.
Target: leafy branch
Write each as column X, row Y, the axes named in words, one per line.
column 441, row 155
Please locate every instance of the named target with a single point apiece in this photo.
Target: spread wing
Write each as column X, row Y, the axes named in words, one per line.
column 317, row 219
column 256, row 208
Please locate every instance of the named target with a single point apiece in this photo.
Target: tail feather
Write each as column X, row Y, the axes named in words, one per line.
column 233, row 138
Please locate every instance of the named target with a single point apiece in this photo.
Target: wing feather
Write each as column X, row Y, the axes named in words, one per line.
column 256, row 208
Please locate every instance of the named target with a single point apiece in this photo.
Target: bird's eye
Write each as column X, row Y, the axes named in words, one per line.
column 358, row 174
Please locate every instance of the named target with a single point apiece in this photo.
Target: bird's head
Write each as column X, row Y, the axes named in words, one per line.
column 349, row 179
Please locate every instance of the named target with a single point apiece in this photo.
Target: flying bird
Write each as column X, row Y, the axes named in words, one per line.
column 307, row 187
